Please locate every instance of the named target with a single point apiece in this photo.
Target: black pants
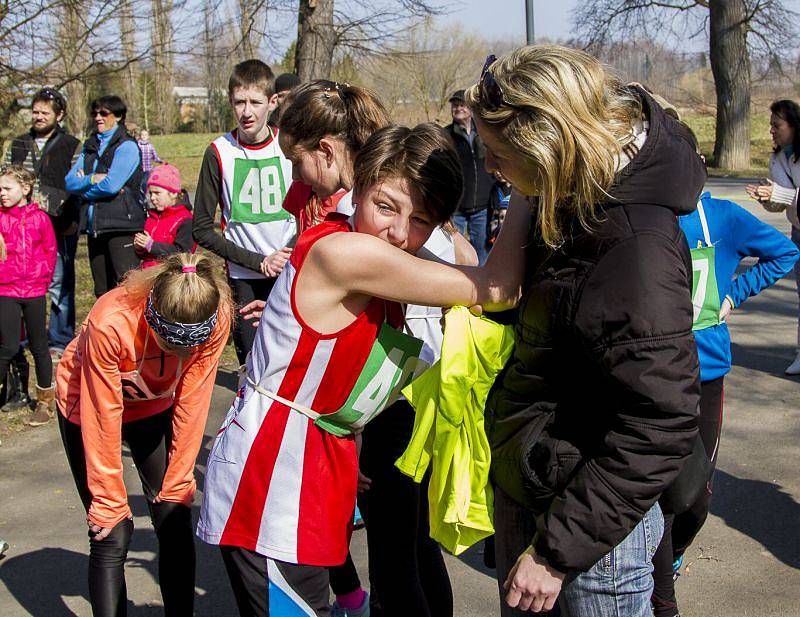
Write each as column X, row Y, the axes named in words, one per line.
column 34, row 312
column 406, row 566
column 344, row 578
column 149, row 441
column 244, row 292
column 110, row 257
column 681, row 529
column 249, row 574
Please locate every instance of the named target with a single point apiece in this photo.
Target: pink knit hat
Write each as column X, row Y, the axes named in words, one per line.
column 167, row 177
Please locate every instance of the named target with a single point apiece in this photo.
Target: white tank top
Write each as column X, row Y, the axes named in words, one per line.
column 255, row 180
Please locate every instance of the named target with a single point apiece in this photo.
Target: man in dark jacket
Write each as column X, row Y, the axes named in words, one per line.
column 49, row 151
column 471, row 214
column 595, row 413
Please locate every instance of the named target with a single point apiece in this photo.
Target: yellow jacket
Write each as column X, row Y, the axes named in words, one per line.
column 449, row 399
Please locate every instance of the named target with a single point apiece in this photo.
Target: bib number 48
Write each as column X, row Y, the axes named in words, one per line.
column 258, row 191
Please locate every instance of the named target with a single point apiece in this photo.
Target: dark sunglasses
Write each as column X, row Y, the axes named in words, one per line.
column 104, row 113
column 491, row 92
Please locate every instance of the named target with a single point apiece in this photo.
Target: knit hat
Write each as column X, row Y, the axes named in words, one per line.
column 167, row 177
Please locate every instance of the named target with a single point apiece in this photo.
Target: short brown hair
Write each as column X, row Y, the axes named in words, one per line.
column 325, row 108
column 252, row 73
column 21, row 175
column 424, row 156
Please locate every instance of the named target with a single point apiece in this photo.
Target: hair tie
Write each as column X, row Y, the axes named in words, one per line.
column 188, row 268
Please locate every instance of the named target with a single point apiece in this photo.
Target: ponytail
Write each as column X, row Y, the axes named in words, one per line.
column 324, row 108
column 186, row 287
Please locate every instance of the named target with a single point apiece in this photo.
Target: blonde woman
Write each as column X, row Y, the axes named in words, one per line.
column 142, row 371
column 597, row 409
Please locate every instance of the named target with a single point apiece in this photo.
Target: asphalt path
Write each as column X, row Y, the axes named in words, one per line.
column 746, row 561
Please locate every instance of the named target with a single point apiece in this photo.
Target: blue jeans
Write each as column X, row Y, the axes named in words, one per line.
column 476, row 223
column 61, row 328
column 620, row 584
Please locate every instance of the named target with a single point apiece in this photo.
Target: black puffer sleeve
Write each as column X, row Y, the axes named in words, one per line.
column 634, row 318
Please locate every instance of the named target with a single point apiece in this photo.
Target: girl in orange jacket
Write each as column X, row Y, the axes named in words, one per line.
column 142, row 371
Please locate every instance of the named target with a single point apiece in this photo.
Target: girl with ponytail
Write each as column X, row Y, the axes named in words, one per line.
column 142, row 371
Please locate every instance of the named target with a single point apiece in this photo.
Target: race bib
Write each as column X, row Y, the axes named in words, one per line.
column 258, row 191
column 705, row 296
column 392, row 364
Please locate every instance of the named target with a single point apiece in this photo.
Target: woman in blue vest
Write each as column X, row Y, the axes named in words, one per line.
column 108, row 178
column 720, row 234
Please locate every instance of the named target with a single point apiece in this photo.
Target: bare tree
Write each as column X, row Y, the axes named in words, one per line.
column 127, row 29
column 316, row 39
column 736, row 28
column 162, row 34
column 363, row 26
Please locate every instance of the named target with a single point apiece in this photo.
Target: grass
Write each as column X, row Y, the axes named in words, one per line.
column 185, row 151
column 760, row 144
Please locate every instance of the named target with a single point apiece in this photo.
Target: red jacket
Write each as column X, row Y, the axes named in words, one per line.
column 30, row 251
column 171, row 231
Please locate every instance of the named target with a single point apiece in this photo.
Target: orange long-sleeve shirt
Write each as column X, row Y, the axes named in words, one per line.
column 89, row 393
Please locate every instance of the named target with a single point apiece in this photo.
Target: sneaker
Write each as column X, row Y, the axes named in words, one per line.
column 358, row 521
column 676, row 569
column 794, row 367
column 361, row 611
column 3, row 547
column 18, row 403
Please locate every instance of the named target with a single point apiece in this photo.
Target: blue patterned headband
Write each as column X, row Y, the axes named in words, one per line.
column 175, row 333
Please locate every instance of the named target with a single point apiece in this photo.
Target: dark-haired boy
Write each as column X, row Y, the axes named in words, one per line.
column 245, row 173
column 49, row 151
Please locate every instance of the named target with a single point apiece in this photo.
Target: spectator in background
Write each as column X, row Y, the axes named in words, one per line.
column 779, row 192
column 148, row 151
column 49, row 151
column 283, row 85
column 498, row 206
column 108, row 179
column 470, row 218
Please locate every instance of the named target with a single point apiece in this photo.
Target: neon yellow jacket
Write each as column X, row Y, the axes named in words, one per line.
column 449, row 399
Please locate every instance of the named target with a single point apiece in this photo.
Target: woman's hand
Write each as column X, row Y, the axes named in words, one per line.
column 532, row 584
column 96, row 532
column 273, row 265
column 725, row 309
column 141, row 241
column 760, row 192
column 252, row 312
column 98, row 178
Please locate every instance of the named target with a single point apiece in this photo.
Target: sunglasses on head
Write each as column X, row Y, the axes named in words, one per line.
column 491, row 92
column 104, row 113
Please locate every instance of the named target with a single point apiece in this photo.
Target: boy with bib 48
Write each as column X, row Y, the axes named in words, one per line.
column 245, row 173
column 282, row 474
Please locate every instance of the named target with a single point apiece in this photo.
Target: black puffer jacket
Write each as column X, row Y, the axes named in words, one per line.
column 477, row 181
column 597, row 410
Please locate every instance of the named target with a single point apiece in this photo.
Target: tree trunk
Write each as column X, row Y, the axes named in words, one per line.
column 131, row 74
column 316, row 40
column 730, row 64
column 75, row 60
column 162, row 60
column 250, row 37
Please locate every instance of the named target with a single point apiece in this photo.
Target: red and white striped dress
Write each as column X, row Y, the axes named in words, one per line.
column 276, row 483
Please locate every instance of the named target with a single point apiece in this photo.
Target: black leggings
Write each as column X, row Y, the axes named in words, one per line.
column 244, row 292
column 249, row 574
column 149, row 440
column 406, row 566
column 111, row 255
column 681, row 529
column 34, row 312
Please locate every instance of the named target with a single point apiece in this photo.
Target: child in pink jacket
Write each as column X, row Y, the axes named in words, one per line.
column 27, row 262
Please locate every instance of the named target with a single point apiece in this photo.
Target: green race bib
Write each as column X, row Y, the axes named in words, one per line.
column 258, row 191
column 705, row 295
column 391, row 365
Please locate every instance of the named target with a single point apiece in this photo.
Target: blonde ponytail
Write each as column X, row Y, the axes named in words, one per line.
column 186, row 287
